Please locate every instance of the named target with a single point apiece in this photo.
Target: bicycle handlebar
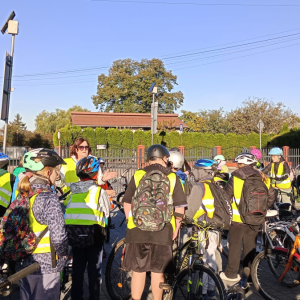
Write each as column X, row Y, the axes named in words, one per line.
column 19, row 275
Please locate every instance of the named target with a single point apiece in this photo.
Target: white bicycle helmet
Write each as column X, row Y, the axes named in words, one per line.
column 177, row 159
column 246, row 158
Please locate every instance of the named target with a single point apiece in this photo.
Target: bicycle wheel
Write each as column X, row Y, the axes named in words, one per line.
column 120, row 199
column 202, row 277
column 117, row 280
column 266, row 270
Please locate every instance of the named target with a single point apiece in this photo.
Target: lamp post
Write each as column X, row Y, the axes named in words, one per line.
column 154, row 108
column 12, row 27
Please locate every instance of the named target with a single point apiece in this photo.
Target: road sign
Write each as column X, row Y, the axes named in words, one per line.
column 260, row 124
column 58, row 134
column 6, row 86
column 181, row 128
column 154, row 109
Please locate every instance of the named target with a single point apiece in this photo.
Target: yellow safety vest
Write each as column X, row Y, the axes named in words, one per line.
column 84, row 208
column 138, row 175
column 208, row 204
column 69, row 170
column 38, row 228
column 284, row 184
column 5, row 190
column 238, row 185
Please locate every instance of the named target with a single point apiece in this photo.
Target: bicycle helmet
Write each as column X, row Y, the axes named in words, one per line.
column 246, row 158
column 4, row 160
column 88, row 167
column 257, row 153
column 207, row 164
column 177, row 159
column 175, row 149
column 219, row 157
column 157, row 151
column 276, row 151
column 101, row 161
column 49, row 158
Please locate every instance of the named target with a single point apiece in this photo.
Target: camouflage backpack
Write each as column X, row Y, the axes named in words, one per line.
column 152, row 204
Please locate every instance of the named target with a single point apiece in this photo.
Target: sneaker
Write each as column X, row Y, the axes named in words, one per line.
column 224, row 277
column 211, row 295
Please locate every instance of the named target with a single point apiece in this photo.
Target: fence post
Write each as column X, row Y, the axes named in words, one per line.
column 286, row 153
column 140, row 156
column 181, row 148
column 219, row 150
column 252, row 147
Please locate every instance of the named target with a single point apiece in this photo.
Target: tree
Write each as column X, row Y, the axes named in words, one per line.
column 192, row 120
column 49, row 122
column 16, row 132
column 125, row 88
column 244, row 119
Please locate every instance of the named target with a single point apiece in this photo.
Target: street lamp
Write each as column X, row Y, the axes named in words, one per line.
column 11, row 27
column 154, row 108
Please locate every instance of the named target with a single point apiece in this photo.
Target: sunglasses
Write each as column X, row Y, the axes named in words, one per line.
column 81, row 148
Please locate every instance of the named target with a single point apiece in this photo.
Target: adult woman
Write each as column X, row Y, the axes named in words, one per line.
column 80, row 149
column 47, row 222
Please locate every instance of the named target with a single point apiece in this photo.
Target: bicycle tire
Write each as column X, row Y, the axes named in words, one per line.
column 260, row 272
column 198, row 269
column 119, row 199
column 114, row 274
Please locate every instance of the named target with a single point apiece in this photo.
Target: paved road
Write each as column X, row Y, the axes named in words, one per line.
column 117, row 234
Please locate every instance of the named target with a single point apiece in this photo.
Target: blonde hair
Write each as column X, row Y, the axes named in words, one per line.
column 24, row 184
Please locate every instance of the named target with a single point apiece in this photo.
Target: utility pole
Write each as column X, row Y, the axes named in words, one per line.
column 12, row 27
column 260, row 126
column 154, row 109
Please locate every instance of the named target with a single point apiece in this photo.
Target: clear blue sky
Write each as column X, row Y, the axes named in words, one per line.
column 68, row 35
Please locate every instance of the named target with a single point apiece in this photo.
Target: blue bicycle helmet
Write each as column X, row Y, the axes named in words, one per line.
column 207, row 164
column 4, row 159
column 88, row 167
column 276, row 151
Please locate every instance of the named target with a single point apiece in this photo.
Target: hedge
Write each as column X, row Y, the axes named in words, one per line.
column 126, row 139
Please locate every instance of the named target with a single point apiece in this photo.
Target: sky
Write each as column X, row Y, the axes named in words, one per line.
column 239, row 51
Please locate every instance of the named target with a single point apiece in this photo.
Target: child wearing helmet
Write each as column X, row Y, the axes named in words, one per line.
column 45, row 215
column 6, row 183
column 176, row 161
column 241, row 233
column 220, row 159
column 86, row 218
column 279, row 172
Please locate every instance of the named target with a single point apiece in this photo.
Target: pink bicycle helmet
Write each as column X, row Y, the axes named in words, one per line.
column 257, row 153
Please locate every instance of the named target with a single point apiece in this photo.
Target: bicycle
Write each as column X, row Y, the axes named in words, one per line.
column 276, row 265
column 184, row 282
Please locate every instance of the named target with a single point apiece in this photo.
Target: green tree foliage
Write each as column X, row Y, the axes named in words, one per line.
column 138, row 138
column 127, row 138
column 114, row 138
column 89, row 134
column 174, row 139
column 101, row 136
column 125, row 88
column 17, row 134
column 49, row 122
column 193, row 120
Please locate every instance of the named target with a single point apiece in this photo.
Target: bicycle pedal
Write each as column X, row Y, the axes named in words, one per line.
column 165, row 286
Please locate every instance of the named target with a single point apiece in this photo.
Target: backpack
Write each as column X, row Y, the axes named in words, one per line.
column 254, row 201
column 152, row 206
column 188, row 186
column 17, row 240
column 223, row 210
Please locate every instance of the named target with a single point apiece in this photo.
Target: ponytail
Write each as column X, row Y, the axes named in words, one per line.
column 264, row 176
column 24, row 185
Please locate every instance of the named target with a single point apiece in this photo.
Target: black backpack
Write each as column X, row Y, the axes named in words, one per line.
column 223, row 210
column 254, row 201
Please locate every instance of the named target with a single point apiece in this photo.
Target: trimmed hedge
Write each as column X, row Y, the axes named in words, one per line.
column 126, row 139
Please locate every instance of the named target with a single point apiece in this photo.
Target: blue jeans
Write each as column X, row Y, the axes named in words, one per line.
column 92, row 257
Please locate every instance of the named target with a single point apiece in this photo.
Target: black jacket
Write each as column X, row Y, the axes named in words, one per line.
column 243, row 174
column 286, row 168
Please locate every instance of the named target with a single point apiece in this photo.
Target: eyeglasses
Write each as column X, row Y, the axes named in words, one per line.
column 81, row 148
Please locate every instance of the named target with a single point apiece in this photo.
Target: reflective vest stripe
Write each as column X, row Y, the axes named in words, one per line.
column 238, row 185
column 138, row 175
column 208, row 204
column 83, row 209
column 5, row 190
column 281, row 184
column 37, row 228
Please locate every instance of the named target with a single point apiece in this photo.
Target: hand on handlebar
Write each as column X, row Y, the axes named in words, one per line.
column 109, row 175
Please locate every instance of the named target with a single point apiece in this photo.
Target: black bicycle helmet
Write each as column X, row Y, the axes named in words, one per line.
column 175, row 149
column 49, row 158
column 157, row 151
column 87, row 167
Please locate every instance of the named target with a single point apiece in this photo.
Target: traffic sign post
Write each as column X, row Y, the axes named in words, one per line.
column 181, row 130
column 260, row 127
column 154, row 109
column 58, row 137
